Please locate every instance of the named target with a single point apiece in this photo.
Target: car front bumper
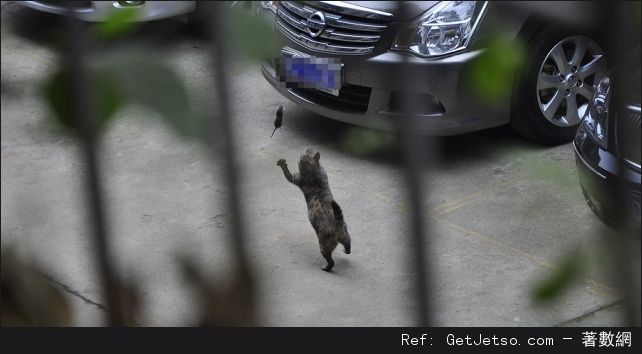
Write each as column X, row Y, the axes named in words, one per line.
column 377, row 89
column 613, row 198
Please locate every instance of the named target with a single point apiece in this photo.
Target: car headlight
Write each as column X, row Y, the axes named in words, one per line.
column 595, row 122
column 445, row 28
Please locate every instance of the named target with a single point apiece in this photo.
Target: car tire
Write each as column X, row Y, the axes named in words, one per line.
column 553, row 85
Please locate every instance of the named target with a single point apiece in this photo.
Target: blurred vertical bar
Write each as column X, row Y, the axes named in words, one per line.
column 84, row 109
column 217, row 27
column 627, row 247
column 417, row 150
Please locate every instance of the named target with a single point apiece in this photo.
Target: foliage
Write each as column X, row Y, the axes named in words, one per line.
column 490, row 76
column 251, row 35
column 123, row 75
column 118, row 23
column 552, row 285
column 361, row 141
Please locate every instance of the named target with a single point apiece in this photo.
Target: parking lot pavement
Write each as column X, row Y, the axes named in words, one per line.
column 501, row 213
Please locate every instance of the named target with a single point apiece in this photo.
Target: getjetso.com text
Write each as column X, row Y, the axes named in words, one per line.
column 451, row 339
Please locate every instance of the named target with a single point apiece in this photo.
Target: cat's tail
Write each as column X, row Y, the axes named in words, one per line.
column 340, row 227
column 338, row 213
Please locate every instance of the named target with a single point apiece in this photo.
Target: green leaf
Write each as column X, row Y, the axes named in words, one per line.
column 553, row 285
column 251, row 34
column 142, row 77
column 363, row 141
column 490, row 75
column 118, row 23
column 128, row 76
column 58, row 93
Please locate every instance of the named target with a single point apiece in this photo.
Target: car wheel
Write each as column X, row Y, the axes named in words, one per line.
column 554, row 85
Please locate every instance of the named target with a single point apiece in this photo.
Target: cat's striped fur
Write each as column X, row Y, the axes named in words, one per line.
column 324, row 213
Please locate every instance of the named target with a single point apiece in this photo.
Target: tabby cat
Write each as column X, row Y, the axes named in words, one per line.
column 324, row 213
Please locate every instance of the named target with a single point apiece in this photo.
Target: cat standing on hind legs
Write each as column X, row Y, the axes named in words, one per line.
column 324, row 213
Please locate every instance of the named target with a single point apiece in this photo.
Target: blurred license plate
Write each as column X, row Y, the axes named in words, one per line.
column 300, row 70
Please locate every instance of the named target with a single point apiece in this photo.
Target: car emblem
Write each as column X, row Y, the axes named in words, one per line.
column 315, row 24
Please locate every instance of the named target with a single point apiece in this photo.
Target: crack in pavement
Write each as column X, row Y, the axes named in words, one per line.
column 80, row 296
column 590, row 313
column 75, row 293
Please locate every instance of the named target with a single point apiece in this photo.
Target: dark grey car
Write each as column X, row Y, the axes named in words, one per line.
column 607, row 146
column 343, row 60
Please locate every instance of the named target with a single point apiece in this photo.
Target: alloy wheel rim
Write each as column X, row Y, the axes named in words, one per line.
column 567, row 79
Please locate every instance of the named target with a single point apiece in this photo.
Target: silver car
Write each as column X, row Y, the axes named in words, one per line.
column 95, row 11
column 344, row 60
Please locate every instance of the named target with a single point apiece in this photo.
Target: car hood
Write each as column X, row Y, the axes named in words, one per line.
column 408, row 11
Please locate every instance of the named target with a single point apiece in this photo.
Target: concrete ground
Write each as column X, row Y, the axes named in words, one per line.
column 501, row 212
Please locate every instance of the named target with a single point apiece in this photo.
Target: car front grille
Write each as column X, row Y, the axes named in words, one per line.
column 628, row 134
column 332, row 27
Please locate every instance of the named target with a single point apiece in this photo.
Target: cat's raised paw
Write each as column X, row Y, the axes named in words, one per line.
column 281, row 163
